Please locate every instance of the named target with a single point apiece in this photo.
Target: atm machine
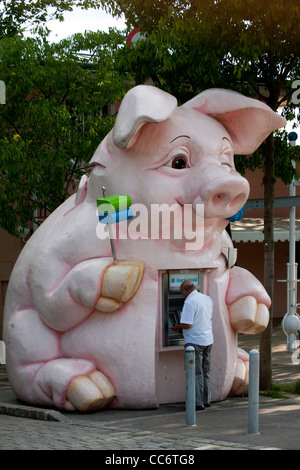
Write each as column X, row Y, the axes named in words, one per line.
column 172, row 301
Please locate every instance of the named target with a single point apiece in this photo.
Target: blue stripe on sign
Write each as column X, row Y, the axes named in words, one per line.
column 115, row 217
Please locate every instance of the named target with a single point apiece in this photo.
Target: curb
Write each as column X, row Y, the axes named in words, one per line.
column 32, row 412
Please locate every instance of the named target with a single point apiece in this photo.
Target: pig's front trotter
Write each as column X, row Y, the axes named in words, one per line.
column 120, row 283
column 248, row 315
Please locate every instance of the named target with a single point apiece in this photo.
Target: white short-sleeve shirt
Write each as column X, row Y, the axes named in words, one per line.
column 197, row 311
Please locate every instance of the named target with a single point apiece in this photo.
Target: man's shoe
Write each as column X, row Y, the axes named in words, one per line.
column 207, row 405
column 200, row 407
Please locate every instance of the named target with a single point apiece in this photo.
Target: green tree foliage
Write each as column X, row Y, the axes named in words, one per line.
column 54, row 118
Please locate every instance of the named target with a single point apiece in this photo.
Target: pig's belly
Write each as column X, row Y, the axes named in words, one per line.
column 122, row 345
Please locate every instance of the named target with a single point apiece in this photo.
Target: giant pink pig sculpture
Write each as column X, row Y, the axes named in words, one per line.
column 81, row 330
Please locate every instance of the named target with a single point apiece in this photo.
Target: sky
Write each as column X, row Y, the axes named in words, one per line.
column 78, row 21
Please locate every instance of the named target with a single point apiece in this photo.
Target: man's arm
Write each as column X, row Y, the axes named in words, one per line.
column 181, row 326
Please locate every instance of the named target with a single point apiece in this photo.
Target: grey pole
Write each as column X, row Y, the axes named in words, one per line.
column 253, row 392
column 292, row 136
column 190, row 404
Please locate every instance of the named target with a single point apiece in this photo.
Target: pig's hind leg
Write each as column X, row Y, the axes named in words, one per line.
column 39, row 375
column 241, row 376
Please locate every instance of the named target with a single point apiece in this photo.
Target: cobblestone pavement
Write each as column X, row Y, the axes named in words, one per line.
column 27, row 428
column 27, row 434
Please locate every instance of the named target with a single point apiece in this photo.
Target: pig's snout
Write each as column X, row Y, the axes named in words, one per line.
column 224, row 198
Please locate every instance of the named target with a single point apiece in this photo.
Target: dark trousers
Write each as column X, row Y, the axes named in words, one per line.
column 202, row 372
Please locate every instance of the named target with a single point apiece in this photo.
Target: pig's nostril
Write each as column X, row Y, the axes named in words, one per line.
column 220, row 198
column 225, row 204
column 226, row 199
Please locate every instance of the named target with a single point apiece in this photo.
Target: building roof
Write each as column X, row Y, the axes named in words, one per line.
column 252, row 230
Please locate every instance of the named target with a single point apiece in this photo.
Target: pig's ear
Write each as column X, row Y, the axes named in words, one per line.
column 247, row 120
column 141, row 104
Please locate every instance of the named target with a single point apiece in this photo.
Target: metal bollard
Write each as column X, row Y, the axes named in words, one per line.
column 253, row 392
column 190, row 404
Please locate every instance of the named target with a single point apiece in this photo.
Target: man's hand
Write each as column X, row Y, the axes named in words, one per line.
column 176, row 327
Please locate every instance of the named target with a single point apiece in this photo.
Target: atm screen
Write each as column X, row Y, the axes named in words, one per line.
column 174, row 317
column 176, row 278
column 172, row 321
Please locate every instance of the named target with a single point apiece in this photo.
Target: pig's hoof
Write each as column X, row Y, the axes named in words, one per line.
column 248, row 316
column 241, row 375
column 120, row 282
column 89, row 393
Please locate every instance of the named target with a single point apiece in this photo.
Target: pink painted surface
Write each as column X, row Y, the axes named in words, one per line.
column 55, row 337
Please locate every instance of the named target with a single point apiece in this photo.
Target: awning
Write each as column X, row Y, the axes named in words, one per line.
column 252, row 230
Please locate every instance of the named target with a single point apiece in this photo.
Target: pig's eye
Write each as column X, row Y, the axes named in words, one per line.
column 179, row 162
column 178, row 158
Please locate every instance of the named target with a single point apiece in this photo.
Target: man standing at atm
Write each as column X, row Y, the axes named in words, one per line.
column 196, row 326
